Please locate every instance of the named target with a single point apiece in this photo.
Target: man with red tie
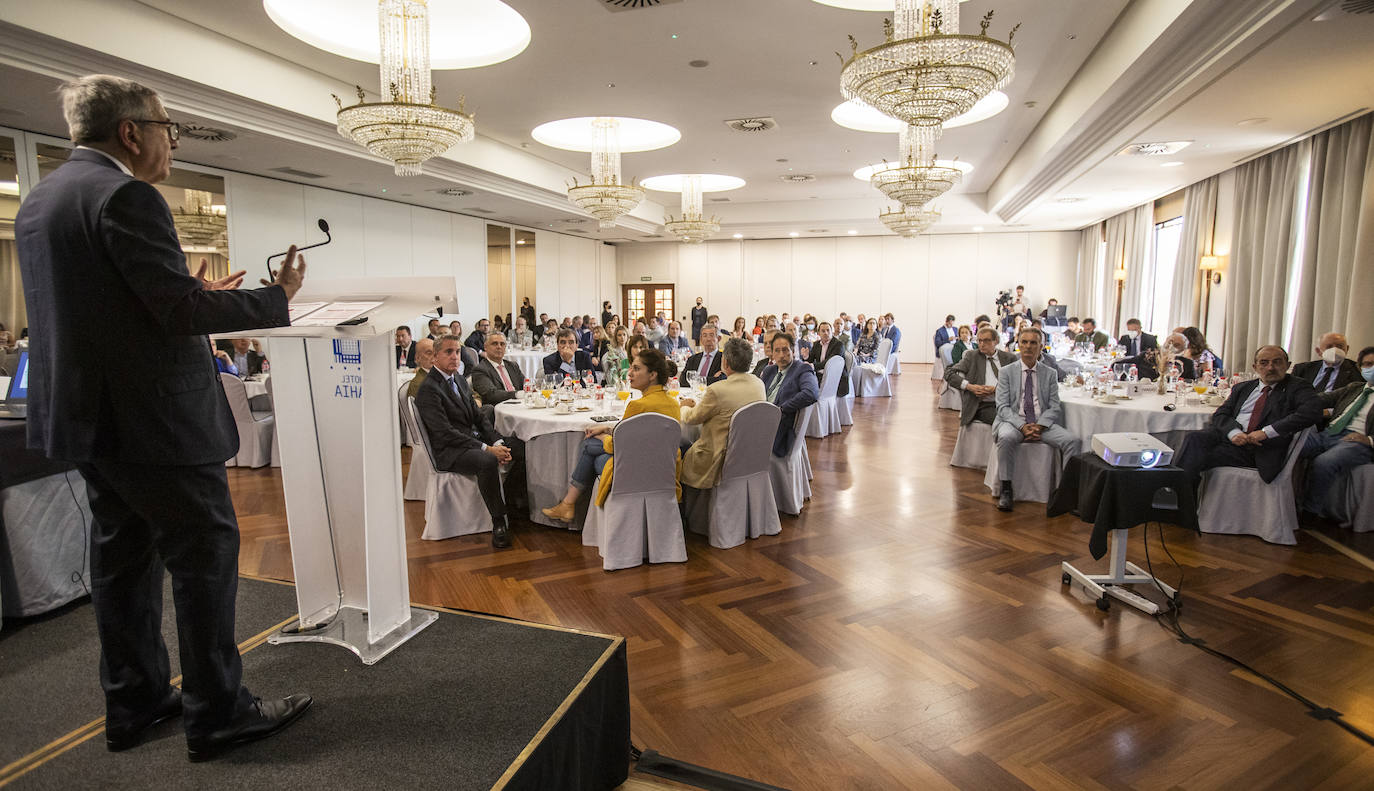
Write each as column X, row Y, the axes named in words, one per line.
column 1257, row 422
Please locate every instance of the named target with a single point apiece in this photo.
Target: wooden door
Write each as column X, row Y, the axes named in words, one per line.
column 646, row 299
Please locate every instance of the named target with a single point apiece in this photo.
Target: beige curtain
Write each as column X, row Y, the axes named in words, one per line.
column 1199, row 225
column 1338, row 248
column 1087, row 294
column 1261, row 252
column 1130, row 241
column 12, row 311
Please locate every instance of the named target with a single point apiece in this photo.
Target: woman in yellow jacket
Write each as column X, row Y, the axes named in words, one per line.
column 648, row 374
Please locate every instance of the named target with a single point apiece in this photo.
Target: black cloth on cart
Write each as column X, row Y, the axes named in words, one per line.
column 22, row 465
column 1112, row 498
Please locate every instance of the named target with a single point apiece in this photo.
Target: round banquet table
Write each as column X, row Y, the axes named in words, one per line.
column 552, row 443
column 531, row 362
column 1143, row 413
column 256, row 386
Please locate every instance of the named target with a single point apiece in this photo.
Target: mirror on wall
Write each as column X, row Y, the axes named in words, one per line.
column 498, row 271
column 524, row 274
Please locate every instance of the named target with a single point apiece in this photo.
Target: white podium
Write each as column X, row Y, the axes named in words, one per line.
column 334, row 389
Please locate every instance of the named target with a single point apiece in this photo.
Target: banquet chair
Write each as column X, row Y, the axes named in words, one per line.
column 1038, row 469
column 1237, row 501
column 407, row 438
column 874, row 383
column 1351, row 500
column 845, row 404
column 894, row 364
column 276, row 442
column 453, row 503
column 973, row 447
column 255, row 428
column 950, row 398
column 825, row 419
column 942, row 361
column 421, row 468
column 741, row 505
column 791, row 474
column 640, row 517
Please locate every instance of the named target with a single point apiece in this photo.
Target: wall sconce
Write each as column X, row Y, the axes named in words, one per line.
column 1211, row 264
column 1119, row 274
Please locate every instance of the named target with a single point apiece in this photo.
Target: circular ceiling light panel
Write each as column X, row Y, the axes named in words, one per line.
column 866, row 173
column 859, row 116
column 710, row 182
column 463, row 34
column 576, row 134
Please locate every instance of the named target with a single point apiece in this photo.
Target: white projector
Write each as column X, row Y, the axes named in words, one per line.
column 1132, row 450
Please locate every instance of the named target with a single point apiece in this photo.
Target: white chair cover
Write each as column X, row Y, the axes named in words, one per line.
column 825, row 419
column 1351, row 500
column 255, row 428
column 950, row 398
column 973, row 447
column 453, row 503
column 276, row 445
column 845, row 404
column 946, row 353
column 791, row 475
column 1237, row 501
column 407, row 438
column 741, row 505
column 640, row 518
column 421, row 468
column 1038, row 467
column 874, row 384
column 937, row 369
column 894, row 363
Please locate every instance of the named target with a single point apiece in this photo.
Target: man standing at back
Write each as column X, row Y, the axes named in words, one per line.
column 97, row 246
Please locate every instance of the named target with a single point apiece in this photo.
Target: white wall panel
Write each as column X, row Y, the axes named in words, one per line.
column 587, row 301
column 658, row 262
column 814, row 271
column 468, row 255
column 547, row 255
column 906, row 270
column 265, row 217
column 344, row 213
column 431, row 242
column 387, row 240
column 768, row 276
column 692, row 281
column 724, row 292
column 1002, row 264
column 858, row 285
column 570, row 254
column 1051, row 269
column 608, row 278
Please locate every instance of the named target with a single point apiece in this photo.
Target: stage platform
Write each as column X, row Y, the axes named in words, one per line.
column 472, row 702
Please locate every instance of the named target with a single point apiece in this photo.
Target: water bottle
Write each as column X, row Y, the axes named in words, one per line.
column 1133, row 375
column 567, row 382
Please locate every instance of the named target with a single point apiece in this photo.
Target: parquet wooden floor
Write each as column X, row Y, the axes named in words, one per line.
column 902, row 633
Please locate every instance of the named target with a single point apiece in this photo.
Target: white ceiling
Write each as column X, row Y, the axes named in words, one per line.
column 1297, row 73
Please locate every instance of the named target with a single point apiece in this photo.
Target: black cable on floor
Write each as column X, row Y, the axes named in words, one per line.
column 79, row 576
column 1169, row 620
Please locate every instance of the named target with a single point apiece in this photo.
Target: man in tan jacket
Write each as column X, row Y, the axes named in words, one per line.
column 702, row 462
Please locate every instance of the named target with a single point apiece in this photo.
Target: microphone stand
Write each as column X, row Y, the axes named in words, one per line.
column 324, row 226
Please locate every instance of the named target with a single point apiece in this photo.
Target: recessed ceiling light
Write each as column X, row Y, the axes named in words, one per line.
column 739, row 236
column 1070, row 199
column 1251, row 121
column 698, row 64
column 1170, row 164
column 859, row 116
column 866, row 173
column 977, row 229
column 852, row 232
column 463, row 34
column 794, row 233
column 1154, row 149
column 576, row 134
column 710, row 182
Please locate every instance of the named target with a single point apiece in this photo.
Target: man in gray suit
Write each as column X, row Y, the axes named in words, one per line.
column 975, row 376
column 1028, row 410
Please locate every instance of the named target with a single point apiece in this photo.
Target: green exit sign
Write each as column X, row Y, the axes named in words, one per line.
column 646, row 278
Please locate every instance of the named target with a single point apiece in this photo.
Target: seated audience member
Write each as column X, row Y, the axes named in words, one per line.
column 946, row 333
column 703, row 461
column 223, row 362
column 866, row 347
column 673, row 341
column 424, row 361
column 963, row 344
column 498, row 324
column 566, row 324
column 477, row 341
column 1045, row 314
column 767, row 358
column 435, row 330
column 975, row 375
column 858, row 329
column 648, row 374
column 981, row 319
column 739, row 330
column 537, row 329
column 890, row 330
column 1332, row 370
column 568, row 359
column 248, row 356
column 825, row 347
column 520, row 334
column 494, row 378
column 840, row 327
column 808, row 329
column 615, row 361
column 1257, row 422
column 1044, row 336
column 1147, row 363
column 550, row 335
column 455, row 327
column 707, row 362
column 405, row 349
column 1204, row 359
column 1028, row 410
column 791, row 384
column 463, row 440
column 1088, row 333
column 657, row 330
column 601, row 342
column 1348, row 439
column 1135, row 341
column 1072, row 328
column 583, row 333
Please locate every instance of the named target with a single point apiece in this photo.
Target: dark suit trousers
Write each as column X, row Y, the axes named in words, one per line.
column 1204, row 450
column 487, row 470
column 147, row 517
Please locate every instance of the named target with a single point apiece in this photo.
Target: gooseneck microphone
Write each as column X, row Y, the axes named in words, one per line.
column 324, row 226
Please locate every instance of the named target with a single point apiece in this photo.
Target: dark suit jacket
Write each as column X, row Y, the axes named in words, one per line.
column 1338, row 400
column 486, row 381
column 799, row 390
column 945, row 335
column 98, row 248
column 409, row 359
column 818, row 358
column 714, row 375
column 1147, row 342
column 454, row 423
column 1347, row 373
column 255, row 361
column 1291, row 407
column 973, row 369
column 581, row 360
column 477, row 341
column 1147, row 369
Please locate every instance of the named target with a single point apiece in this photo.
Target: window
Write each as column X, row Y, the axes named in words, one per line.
column 634, row 306
column 1167, row 235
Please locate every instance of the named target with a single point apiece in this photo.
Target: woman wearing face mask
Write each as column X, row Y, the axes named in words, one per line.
column 1347, row 440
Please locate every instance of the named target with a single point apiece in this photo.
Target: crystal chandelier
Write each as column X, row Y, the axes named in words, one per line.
column 916, row 179
column 692, row 228
column 410, row 128
column 926, row 72
column 199, row 224
column 605, row 198
column 908, row 221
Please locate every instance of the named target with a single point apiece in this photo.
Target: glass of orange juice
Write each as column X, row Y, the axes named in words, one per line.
column 1199, row 387
column 622, row 394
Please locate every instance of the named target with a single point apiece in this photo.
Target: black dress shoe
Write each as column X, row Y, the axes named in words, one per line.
column 1004, row 499
column 500, row 532
column 262, row 719
column 124, row 737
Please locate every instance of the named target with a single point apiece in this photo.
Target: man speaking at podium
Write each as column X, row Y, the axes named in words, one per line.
column 97, row 247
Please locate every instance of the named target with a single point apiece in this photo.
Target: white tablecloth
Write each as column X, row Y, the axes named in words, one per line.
column 531, row 362
column 257, row 386
column 1085, row 417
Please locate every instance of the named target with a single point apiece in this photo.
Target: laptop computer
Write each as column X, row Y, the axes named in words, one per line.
column 15, row 406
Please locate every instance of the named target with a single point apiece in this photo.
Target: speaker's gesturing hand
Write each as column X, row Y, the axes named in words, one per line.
column 225, row 283
column 291, row 275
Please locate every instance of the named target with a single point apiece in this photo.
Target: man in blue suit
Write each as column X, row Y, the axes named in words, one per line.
column 947, row 333
column 889, row 330
column 1028, row 410
column 97, row 246
column 569, row 359
column 791, row 384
